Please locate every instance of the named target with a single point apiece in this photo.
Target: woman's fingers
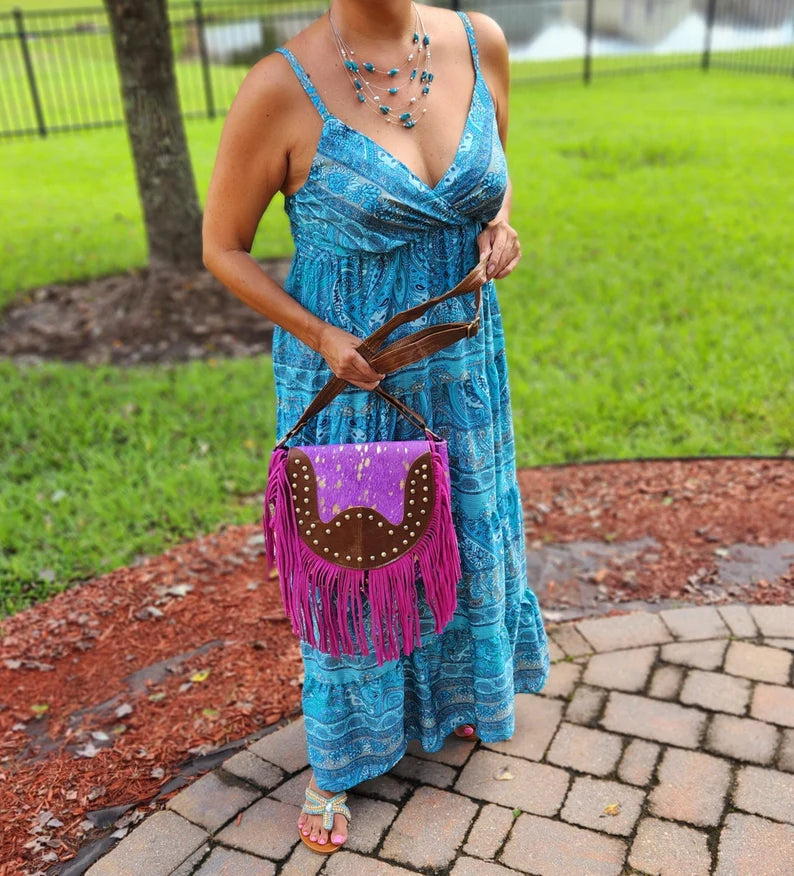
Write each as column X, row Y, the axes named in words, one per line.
column 509, row 268
column 355, row 369
column 500, row 242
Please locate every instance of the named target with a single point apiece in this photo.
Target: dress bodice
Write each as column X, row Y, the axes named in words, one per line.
column 358, row 196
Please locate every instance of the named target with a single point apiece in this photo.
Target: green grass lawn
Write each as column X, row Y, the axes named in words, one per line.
column 651, row 315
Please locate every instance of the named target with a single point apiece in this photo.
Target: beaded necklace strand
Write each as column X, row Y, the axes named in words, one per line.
column 366, row 89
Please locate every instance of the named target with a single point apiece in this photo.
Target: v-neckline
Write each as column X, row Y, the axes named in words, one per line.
column 398, row 161
column 327, row 116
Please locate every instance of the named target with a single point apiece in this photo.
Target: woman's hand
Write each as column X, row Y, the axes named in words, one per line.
column 499, row 241
column 338, row 348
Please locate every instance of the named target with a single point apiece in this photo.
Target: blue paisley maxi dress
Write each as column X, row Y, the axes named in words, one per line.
column 371, row 239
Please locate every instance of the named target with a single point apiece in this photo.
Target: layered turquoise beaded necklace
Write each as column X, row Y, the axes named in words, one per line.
column 383, row 89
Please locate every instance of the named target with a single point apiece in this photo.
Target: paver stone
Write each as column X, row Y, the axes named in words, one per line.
column 536, row 720
column 786, row 761
column 638, row 762
column 430, row 828
column 703, row 622
column 224, row 862
column 584, row 749
column 371, row 819
column 626, row 631
column 268, row 828
column 758, row 662
column 621, row 670
column 666, row 682
column 739, row 620
column 562, row 680
column 714, row 690
column 692, row 787
column 774, row 704
column 489, row 831
column 286, row 747
column 699, row 655
column 751, row 845
column 656, row 720
column 534, row 787
column 585, row 705
column 158, row 845
column 213, row 799
column 246, row 765
column 554, row 848
column 742, row 739
column 765, row 792
column 426, row 771
column 774, row 620
column 665, row 849
column 609, row 807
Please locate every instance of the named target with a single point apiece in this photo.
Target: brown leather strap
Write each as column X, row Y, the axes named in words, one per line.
column 404, row 351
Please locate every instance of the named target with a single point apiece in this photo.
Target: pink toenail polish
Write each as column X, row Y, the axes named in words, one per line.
column 467, row 731
column 338, row 839
column 305, row 832
column 322, row 842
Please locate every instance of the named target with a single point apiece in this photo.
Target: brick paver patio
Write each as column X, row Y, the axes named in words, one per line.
column 663, row 744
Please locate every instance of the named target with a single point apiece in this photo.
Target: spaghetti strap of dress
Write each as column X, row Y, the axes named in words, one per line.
column 305, row 81
column 472, row 39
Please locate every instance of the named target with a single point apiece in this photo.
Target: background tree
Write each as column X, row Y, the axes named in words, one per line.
column 167, row 188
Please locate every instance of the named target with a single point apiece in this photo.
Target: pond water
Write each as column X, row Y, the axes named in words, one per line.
column 565, row 40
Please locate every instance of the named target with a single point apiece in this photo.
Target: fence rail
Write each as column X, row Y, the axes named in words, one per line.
column 58, row 73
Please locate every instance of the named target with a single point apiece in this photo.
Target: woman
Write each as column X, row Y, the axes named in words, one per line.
column 385, row 132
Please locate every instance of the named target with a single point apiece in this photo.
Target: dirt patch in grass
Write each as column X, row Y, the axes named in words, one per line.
column 137, row 317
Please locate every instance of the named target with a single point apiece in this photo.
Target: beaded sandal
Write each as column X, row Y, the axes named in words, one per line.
column 316, row 804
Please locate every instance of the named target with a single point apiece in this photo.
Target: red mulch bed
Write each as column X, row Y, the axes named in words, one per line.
column 78, row 650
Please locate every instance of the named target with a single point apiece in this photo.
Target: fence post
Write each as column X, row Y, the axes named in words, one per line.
column 34, row 92
column 587, row 72
column 705, row 61
column 205, row 60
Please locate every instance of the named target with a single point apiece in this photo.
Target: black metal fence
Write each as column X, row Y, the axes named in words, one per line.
column 57, row 70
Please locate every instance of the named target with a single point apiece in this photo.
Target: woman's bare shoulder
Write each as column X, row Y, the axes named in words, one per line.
column 268, row 87
column 491, row 41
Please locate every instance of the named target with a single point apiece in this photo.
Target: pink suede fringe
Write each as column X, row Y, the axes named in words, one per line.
column 323, row 600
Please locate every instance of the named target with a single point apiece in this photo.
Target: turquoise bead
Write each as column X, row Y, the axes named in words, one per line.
column 357, row 83
column 360, row 96
column 405, row 116
column 393, row 90
column 370, row 67
column 429, row 77
column 426, row 89
column 423, row 77
column 385, row 110
column 351, row 65
column 394, row 71
column 409, row 124
column 427, row 39
column 413, row 74
column 416, row 37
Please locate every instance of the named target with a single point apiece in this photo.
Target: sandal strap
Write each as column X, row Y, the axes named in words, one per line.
column 317, row 804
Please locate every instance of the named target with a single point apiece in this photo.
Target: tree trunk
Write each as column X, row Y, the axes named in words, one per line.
column 167, row 188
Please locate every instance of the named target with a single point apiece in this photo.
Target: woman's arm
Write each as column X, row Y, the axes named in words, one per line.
column 252, row 164
column 499, row 238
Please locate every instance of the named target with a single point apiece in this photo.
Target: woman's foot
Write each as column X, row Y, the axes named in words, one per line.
column 311, row 826
column 465, row 731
